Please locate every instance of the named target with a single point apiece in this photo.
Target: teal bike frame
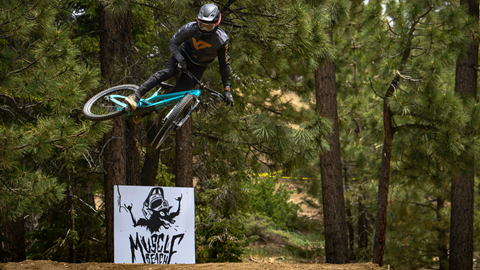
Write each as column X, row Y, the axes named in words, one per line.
column 155, row 102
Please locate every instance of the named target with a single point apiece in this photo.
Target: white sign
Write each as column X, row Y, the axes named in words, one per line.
column 154, row 225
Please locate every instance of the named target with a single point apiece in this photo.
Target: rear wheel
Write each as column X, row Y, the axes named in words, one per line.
column 100, row 107
column 178, row 112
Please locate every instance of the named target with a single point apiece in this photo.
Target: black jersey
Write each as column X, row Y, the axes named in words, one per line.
column 202, row 50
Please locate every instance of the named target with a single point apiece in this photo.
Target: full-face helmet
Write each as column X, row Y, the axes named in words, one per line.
column 208, row 19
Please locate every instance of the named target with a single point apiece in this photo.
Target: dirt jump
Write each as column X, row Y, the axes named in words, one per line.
column 51, row 265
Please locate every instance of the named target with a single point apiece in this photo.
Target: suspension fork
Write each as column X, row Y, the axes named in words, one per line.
column 180, row 122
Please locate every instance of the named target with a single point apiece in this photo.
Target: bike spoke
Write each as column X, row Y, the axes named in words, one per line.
column 101, row 107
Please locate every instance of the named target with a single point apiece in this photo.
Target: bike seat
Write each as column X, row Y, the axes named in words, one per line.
column 165, row 85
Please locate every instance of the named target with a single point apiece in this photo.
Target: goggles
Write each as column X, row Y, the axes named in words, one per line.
column 208, row 27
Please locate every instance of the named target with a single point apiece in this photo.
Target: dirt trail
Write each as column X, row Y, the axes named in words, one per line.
column 50, row 265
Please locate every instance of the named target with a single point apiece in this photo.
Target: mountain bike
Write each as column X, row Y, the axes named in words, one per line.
column 110, row 103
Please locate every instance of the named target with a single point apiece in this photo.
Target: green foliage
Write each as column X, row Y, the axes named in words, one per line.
column 164, row 178
column 265, row 41
column 52, row 238
column 220, row 240
column 274, row 202
column 417, row 44
column 263, row 212
column 43, row 87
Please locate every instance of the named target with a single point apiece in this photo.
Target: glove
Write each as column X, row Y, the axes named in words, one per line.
column 228, row 97
column 182, row 65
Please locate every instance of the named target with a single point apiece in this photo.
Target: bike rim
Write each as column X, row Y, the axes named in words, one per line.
column 105, row 106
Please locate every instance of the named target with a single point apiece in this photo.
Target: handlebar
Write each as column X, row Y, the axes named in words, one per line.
column 204, row 87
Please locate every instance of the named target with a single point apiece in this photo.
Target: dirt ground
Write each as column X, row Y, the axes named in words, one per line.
column 50, row 265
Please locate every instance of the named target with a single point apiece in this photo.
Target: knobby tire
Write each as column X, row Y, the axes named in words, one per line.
column 98, row 108
column 178, row 112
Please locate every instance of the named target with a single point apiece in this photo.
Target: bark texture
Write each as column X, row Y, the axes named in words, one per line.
column 85, row 224
column 133, row 157
column 152, row 158
column 462, row 192
column 115, row 174
column 15, row 230
column 336, row 241
column 184, row 155
column 114, row 43
column 384, row 181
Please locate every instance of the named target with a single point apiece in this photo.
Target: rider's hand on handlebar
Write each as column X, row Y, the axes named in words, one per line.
column 182, row 65
column 228, row 96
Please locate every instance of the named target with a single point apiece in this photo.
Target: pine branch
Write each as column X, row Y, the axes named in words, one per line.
column 417, row 126
column 5, row 184
column 215, row 138
column 154, row 7
column 88, row 205
column 373, row 89
column 24, row 68
column 21, row 194
column 12, row 100
column 407, row 78
column 81, row 39
column 398, row 86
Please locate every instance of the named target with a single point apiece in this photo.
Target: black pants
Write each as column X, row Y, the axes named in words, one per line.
column 184, row 83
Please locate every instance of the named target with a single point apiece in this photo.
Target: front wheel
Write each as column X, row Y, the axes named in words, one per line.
column 100, row 107
column 178, row 112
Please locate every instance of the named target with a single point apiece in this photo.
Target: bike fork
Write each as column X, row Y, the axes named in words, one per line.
column 180, row 123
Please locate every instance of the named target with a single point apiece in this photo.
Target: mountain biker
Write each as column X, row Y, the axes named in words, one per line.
column 193, row 47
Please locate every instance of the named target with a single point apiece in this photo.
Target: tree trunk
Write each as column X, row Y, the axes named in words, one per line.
column 362, row 228
column 336, row 242
column 461, row 222
column 71, row 244
column 115, row 168
column 461, row 218
column 384, row 181
column 184, row 155
column 114, row 43
column 133, row 157
column 85, row 224
column 15, row 232
column 152, row 158
column 351, row 231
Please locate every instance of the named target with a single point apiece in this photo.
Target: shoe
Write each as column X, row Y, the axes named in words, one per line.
column 133, row 100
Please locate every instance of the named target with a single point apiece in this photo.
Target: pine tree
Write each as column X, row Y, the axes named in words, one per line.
column 358, row 124
column 336, row 243
column 462, row 193
column 121, row 153
column 43, row 87
column 416, row 44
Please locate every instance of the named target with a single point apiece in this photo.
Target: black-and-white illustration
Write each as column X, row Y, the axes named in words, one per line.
column 154, row 225
column 156, row 211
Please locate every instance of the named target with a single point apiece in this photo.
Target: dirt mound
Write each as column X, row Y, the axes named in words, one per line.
column 50, row 265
